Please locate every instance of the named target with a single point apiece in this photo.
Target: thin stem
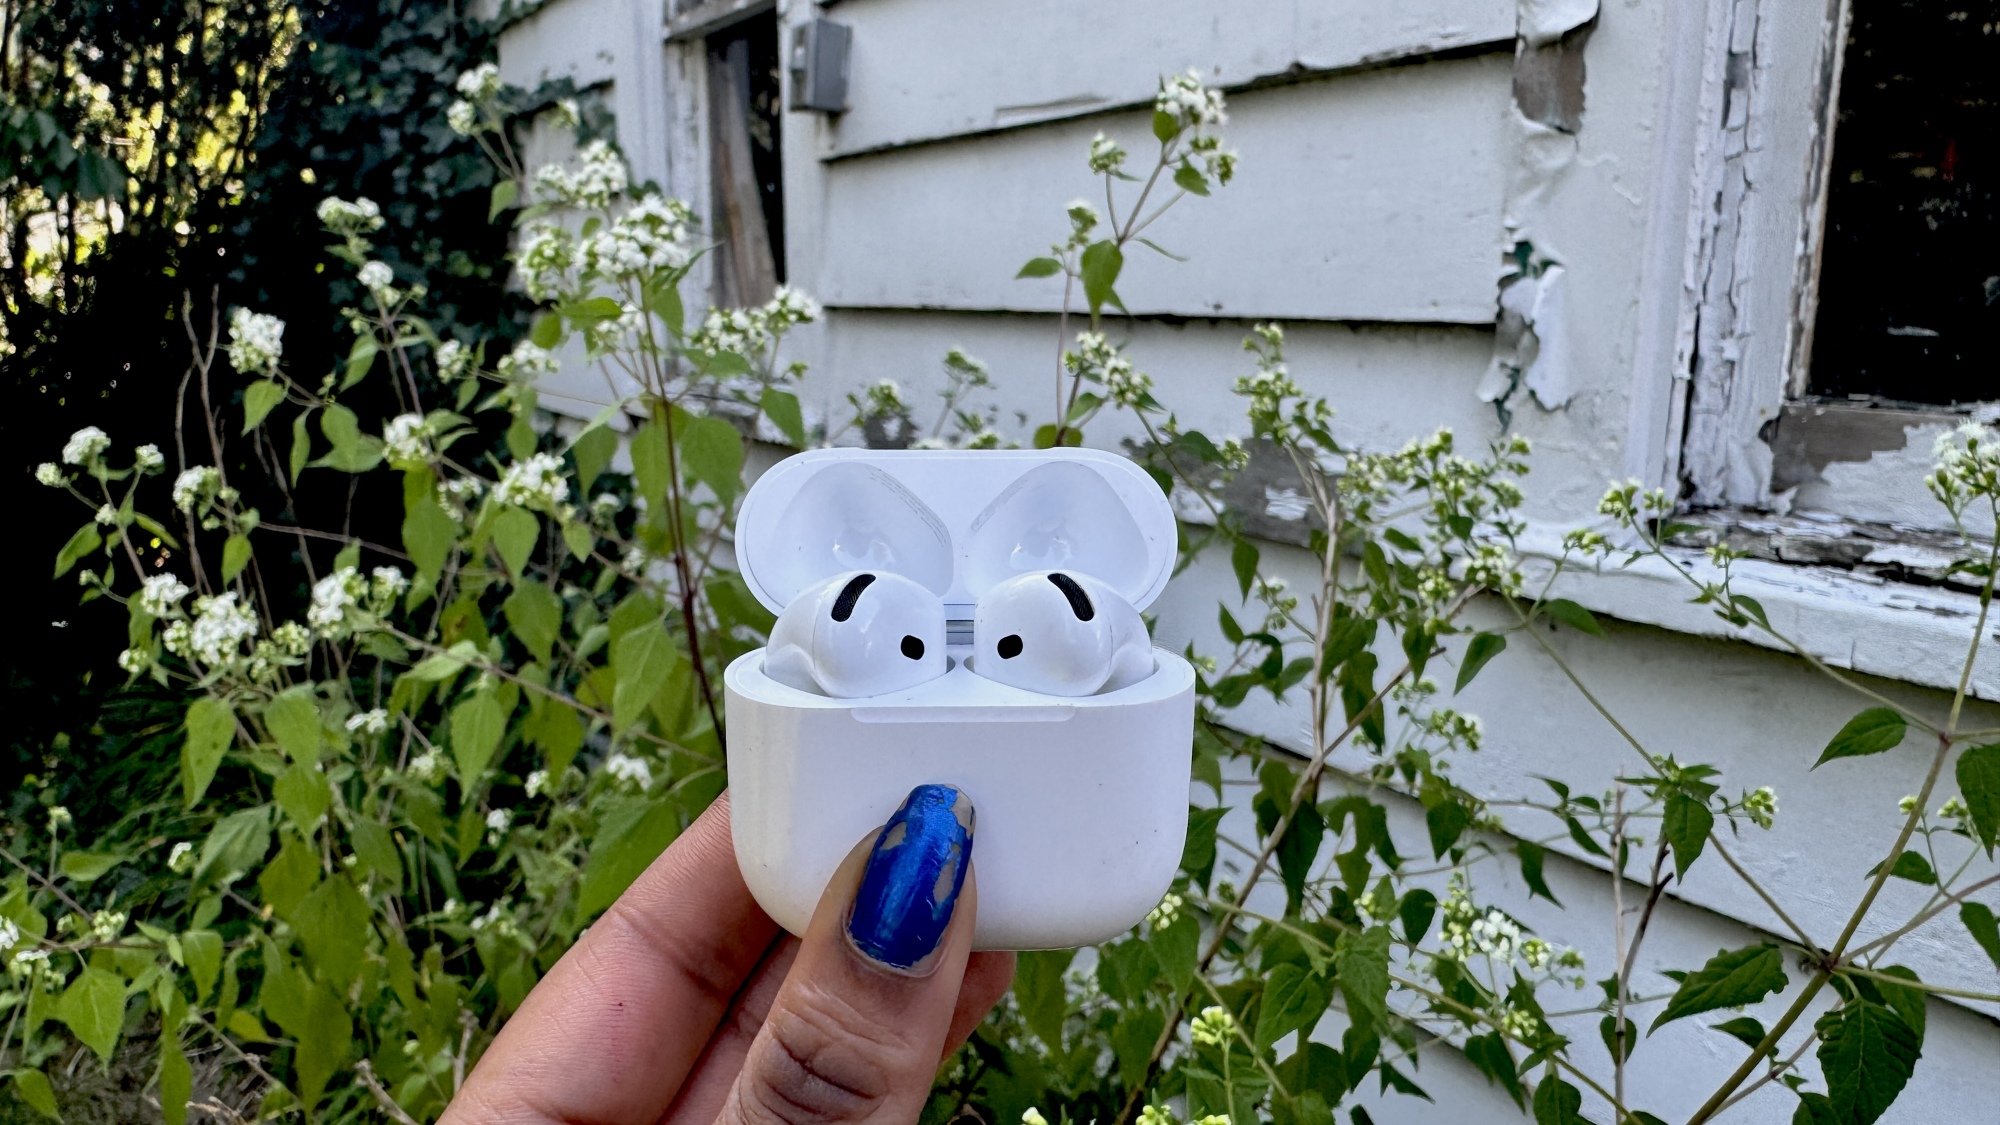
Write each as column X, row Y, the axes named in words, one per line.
column 1798, row 931
column 1924, row 916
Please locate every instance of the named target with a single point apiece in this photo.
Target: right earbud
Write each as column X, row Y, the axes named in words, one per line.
column 858, row 634
column 1059, row 634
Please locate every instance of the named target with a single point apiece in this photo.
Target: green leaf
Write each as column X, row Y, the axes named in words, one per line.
column 235, row 845
column 1038, row 988
column 1176, row 948
column 85, row 866
column 546, row 331
column 302, row 792
column 1100, row 266
column 1730, row 979
column 1243, row 558
column 1607, row 1030
column 82, row 543
column 301, row 445
column 593, row 450
column 505, row 192
column 1746, row 1030
column 210, row 727
column 1867, row 1053
column 711, row 453
column 1686, row 825
column 1573, row 615
column 1871, row 732
column 333, row 925
column 360, row 358
column 1294, row 1000
column 353, row 451
column 556, row 730
column 1558, row 1103
column 642, row 660
column 1814, row 1109
column 514, row 534
column 258, row 401
column 1482, row 648
column 1978, row 918
column 477, row 725
column 1979, row 782
column 1189, row 179
column 1531, row 870
column 293, row 720
column 1040, row 267
column 176, row 1079
column 535, row 614
column 32, row 1086
column 1490, row 1055
column 1417, row 910
column 429, row 534
column 1912, row 866
column 633, row 833
column 1361, row 964
column 1446, row 821
column 93, row 1007
column 201, row 951
column 782, row 408
column 1046, row 433
column 650, row 465
column 235, row 556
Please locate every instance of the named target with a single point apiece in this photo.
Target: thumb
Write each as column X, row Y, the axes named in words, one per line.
column 856, row 1031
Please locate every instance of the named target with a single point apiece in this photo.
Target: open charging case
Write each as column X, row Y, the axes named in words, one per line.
column 1081, row 801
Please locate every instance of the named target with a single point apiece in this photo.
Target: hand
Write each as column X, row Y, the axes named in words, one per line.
column 686, row 1003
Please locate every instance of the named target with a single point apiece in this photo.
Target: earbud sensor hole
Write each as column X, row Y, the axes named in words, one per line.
column 1009, row 646
column 913, row 648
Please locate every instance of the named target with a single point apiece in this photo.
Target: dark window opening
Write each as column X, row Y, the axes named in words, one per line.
column 1909, row 288
column 748, row 208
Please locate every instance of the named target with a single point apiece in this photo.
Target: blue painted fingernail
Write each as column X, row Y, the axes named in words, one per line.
column 913, row 877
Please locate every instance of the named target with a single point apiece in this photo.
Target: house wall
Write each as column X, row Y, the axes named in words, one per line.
column 1391, row 152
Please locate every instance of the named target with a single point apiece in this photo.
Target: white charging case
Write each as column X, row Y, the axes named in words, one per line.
column 1081, row 802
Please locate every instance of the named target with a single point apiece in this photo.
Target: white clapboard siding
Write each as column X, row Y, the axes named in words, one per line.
column 927, row 69
column 1373, row 196
column 576, row 39
column 1368, row 372
column 1760, row 717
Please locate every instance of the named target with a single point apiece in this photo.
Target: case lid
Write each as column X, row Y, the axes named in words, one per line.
column 957, row 521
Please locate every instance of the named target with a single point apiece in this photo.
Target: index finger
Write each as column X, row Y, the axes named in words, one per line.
column 611, row 1032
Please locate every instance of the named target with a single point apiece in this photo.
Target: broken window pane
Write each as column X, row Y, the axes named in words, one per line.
column 1909, row 290
column 748, row 209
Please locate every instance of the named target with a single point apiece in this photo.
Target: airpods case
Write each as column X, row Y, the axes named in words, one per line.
column 1081, row 801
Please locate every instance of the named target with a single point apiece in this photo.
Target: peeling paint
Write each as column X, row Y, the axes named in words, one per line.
column 1544, row 21
column 1808, row 438
column 1549, row 79
column 1530, row 346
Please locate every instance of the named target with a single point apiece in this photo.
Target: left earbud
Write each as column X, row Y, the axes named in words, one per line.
column 858, row 634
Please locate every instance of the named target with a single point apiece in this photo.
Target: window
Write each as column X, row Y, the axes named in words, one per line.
column 747, row 209
column 1909, row 284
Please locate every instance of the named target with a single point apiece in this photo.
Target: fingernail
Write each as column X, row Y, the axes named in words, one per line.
column 915, row 871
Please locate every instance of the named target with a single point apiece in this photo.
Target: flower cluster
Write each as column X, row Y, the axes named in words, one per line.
column 753, row 332
column 546, row 261
column 344, row 601
column 527, row 363
column 160, row 595
column 1096, row 359
column 1214, row 1026
column 406, row 440
column 653, row 234
column 629, row 770
column 221, row 626
column 1968, row 466
column 379, row 279
column 256, row 342
column 880, row 399
column 477, row 88
column 371, row 723
column 1277, row 407
column 85, row 447
column 455, row 361
column 598, row 177
column 1184, row 98
column 180, row 860
column 1106, row 155
column 1761, row 806
column 1631, row 501
column 350, row 220
column 536, row 483
column 1169, row 909
column 195, row 488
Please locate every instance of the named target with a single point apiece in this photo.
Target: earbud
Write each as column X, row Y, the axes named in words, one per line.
column 1059, row 634
column 858, row 634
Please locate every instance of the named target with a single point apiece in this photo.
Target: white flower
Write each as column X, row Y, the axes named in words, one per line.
column 385, row 584
column 106, row 515
column 334, row 599
column 404, row 440
column 427, row 767
column 148, row 459
column 652, row 235
column 85, row 446
column 1166, row 912
column 221, row 626
column 1105, row 155
column 599, row 177
column 497, row 822
column 361, row 216
column 527, row 362
column 454, row 361
column 376, row 276
column 106, row 925
column 1154, row 1115
column 50, row 474
column 789, row 306
column 196, row 485
column 135, row 660
column 27, row 961
column 1033, row 1116
column 291, row 639
column 629, row 769
column 181, row 859
column 534, row 483
column 1184, row 98
column 9, row 934
column 568, row 113
column 58, row 816
column 479, row 83
column 1214, row 1026
column 1761, row 806
column 462, row 117
column 537, row 783
column 372, row 722
column 256, row 342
